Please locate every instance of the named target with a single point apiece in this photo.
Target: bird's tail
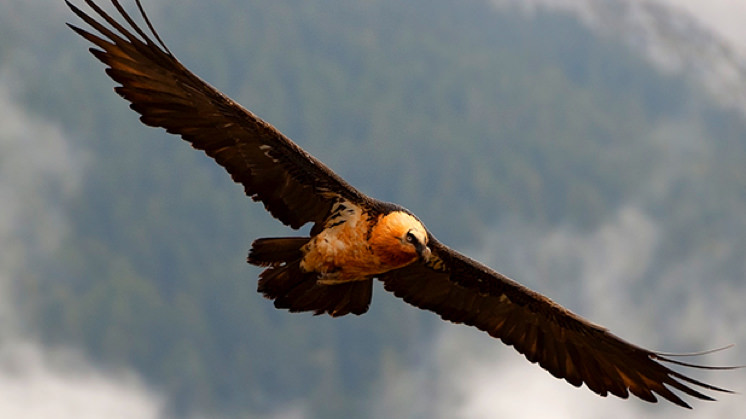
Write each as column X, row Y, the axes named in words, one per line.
column 296, row 290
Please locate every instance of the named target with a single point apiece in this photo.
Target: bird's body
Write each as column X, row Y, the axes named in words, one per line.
column 355, row 239
column 342, row 251
column 354, row 246
column 357, row 245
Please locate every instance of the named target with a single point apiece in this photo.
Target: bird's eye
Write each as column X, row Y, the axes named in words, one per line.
column 411, row 238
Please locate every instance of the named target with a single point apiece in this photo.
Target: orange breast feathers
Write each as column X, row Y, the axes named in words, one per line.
column 361, row 247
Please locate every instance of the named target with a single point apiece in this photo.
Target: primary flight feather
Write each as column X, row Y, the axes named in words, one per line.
column 355, row 238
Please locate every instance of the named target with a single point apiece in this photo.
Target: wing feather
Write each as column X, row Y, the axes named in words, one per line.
column 294, row 186
column 569, row 347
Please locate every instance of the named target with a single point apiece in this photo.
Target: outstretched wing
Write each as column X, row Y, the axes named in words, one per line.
column 295, row 187
column 568, row 346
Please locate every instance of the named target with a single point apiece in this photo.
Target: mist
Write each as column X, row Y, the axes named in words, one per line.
column 724, row 17
column 703, row 41
column 39, row 170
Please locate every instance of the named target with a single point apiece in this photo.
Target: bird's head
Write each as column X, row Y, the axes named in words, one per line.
column 399, row 239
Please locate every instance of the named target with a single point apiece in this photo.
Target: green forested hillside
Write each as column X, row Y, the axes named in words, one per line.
column 460, row 112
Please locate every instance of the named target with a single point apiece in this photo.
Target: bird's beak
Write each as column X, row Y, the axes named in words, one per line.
column 424, row 252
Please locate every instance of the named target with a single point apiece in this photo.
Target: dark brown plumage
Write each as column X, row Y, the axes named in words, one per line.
column 355, row 238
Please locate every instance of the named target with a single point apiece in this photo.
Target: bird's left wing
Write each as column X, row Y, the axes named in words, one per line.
column 464, row 291
column 295, row 187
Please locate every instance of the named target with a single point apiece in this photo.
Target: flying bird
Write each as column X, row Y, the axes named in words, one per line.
column 354, row 238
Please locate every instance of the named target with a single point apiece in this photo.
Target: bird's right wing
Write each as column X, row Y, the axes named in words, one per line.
column 295, row 187
column 462, row 290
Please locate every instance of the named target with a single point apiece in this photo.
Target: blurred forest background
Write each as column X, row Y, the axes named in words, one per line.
column 556, row 153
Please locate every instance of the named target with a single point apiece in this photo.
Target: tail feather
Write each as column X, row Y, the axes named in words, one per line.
column 293, row 289
column 273, row 251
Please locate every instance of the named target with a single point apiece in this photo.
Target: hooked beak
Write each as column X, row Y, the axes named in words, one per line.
column 423, row 252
